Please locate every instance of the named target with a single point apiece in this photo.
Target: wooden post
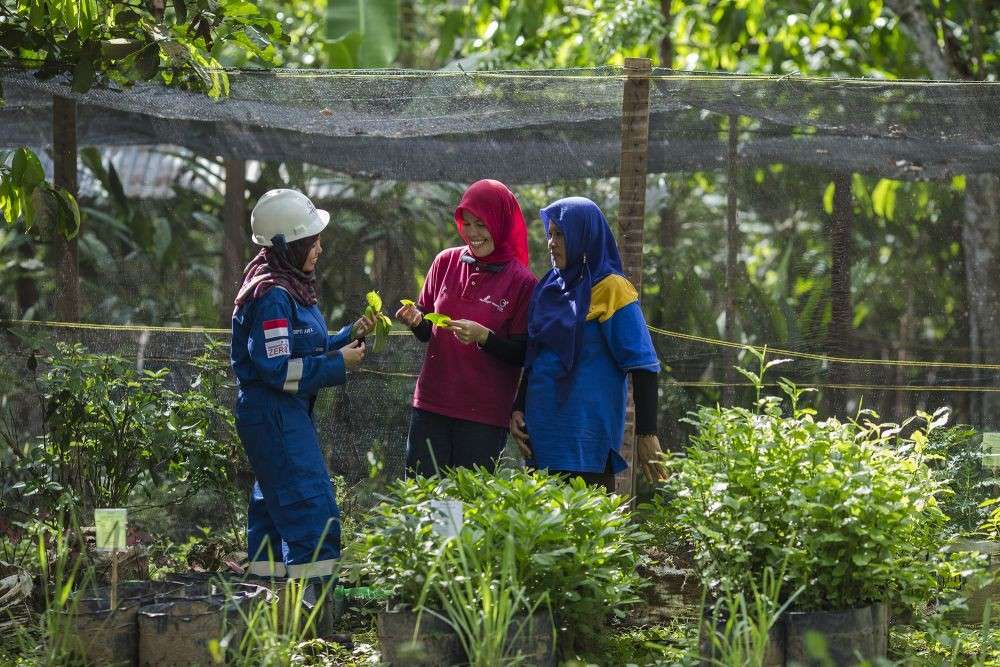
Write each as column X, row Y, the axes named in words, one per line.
column 234, row 237
column 732, row 246
column 841, row 311
column 631, row 216
column 64, row 154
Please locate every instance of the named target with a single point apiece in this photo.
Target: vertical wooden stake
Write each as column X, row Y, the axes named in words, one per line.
column 114, row 580
column 64, row 152
column 234, row 236
column 631, row 216
column 732, row 246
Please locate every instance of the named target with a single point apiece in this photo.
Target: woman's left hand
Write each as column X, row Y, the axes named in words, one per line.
column 363, row 327
column 649, row 457
column 468, row 331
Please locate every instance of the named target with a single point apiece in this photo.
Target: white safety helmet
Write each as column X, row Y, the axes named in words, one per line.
column 288, row 212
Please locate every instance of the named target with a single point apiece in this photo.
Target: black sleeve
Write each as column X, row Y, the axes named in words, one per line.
column 422, row 331
column 510, row 350
column 645, row 395
column 520, row 400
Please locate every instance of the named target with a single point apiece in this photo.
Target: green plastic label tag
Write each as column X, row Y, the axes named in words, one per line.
column 991, row 449
column 110, row 523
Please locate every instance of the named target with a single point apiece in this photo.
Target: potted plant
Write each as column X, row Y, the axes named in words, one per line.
column 847, row 512
column 570, row 544
column 958, row 460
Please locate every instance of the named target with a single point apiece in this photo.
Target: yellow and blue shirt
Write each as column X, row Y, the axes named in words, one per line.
column 576, row 425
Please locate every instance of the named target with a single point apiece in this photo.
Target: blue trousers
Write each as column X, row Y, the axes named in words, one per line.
column 293, row 522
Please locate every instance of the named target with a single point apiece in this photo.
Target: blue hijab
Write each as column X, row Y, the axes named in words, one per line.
column 561, row 299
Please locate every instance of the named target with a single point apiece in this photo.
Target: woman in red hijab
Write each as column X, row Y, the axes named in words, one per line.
column 461, row 405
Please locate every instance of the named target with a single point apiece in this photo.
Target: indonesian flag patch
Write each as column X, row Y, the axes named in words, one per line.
column 275, row 329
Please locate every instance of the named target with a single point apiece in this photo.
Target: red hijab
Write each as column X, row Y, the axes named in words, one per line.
column 493, row 203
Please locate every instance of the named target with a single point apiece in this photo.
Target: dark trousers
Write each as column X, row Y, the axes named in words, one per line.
column 436, row 442
column 605, row 479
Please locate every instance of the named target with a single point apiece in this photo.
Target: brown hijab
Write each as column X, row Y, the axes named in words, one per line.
column 280, row 266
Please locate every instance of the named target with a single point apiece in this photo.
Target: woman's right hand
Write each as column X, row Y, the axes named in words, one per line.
column 520, row 433
column 353, row 354
column 410, row 316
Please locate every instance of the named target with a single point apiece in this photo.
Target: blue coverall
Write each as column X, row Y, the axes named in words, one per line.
column 279, row 355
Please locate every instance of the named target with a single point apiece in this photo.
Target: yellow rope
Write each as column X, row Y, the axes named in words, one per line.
column 387, row 373
column 599, row 75
column 138, row 328
column 708, row 384
column 912, row 363
column 824, row 357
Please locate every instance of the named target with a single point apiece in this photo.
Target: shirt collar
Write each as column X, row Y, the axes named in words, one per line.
column 469, row 259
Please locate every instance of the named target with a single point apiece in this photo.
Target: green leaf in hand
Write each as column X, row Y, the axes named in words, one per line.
column 374, row 301
column 437, row 319
column 407, row 302
column 382, row 322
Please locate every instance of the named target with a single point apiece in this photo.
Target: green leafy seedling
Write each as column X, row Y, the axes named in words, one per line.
column 382, row 321
column 437, row 319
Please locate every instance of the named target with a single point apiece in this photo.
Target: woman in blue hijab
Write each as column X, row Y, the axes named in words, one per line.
column 586, row 334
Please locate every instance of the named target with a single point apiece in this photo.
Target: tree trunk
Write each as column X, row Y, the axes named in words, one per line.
column 666, row 42
column 917, row 24
column 407, row 34
column 842, row 316
column 980, row 236
column 64, row 154
column 980, row 243
column 234, row 237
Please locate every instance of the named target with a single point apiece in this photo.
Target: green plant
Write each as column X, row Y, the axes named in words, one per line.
column 740, row 624
column 277, row 628
column 481, row 597
column 110, row 428
column 850, row 508
column 956, row 454
column 382, row 321
column 61, row 570
column 25, row 192
column 572, row 542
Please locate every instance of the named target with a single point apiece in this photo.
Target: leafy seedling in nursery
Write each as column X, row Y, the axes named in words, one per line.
column 382, row 321
column 437, row 319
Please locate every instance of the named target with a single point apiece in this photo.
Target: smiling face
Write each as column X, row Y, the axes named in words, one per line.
column 557, row 246
column 314, row 252
column 475, row 234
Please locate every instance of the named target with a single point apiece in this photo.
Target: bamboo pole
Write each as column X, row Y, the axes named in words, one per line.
column 631, row 217
column 64, row 153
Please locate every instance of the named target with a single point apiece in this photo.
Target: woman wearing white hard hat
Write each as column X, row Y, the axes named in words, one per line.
column 282, row 355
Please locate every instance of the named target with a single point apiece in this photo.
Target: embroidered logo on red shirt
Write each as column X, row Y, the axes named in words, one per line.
column 501, row 305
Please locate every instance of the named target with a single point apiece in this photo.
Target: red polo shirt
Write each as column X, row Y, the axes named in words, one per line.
column 463, row 381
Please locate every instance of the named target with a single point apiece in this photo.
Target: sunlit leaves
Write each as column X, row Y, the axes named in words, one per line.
column 25, row 195
column 362, row 34
column 96, row 41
